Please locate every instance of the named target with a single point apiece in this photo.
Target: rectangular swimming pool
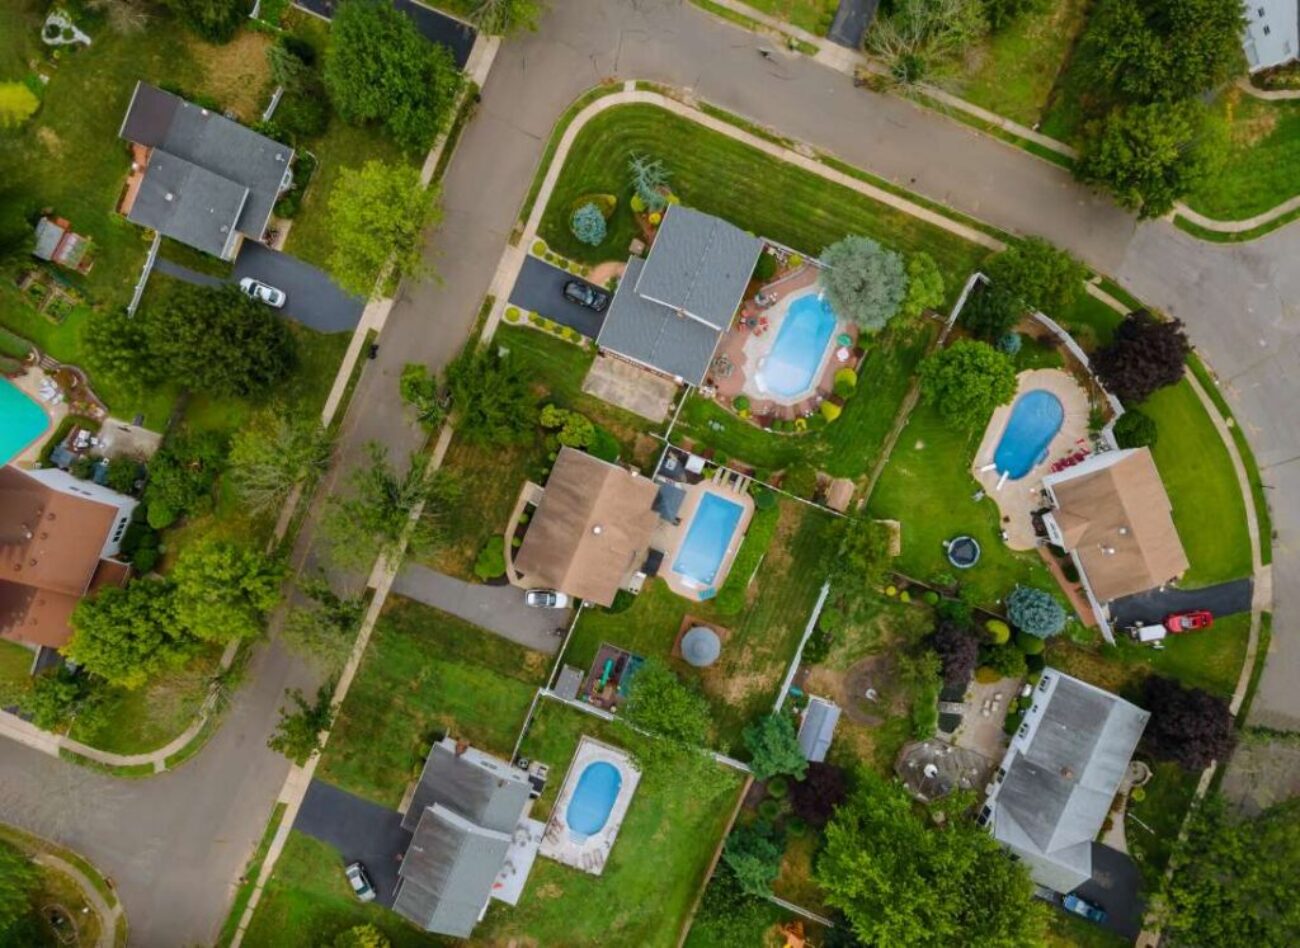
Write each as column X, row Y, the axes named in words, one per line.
column 700, row 554
column 24, row 421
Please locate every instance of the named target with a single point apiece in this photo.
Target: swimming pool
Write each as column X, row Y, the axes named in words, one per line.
column 700, row 555
column 789, row 368
column 593, row 798
column 1035, row 419
column 24, row 421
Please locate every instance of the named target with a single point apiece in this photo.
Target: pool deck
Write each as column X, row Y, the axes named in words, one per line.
column 729, row 486
column 591, row 853
column 1018, row 499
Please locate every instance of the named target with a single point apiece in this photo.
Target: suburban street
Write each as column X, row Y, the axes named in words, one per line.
column 176, row 844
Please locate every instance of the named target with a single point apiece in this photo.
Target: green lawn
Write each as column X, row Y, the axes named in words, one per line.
column 426, row 673
column 815, row 16
column 927, row 486
column 763, row 637
column 1259, row 170
column 1209, row 510
column 1065, row 930
column 1013, row 71
column 716, row 174
column 15, row 663
column 654, row 871
column 845, row 448
column 1168, row 796
column 1077, row 96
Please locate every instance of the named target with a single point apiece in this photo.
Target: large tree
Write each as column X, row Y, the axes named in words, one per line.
column 1038, row 274
column 1149, row 156
column 919, row 35
column 753, row 854
column 302, row 723
column 1188, row 726
column 966, row 381
column 864, row 283
column 958, row 650
column 182, row 475
column 1234, row 884
column 1165, row 50
column 126, row 635
column 273, row 453
column 491, row 398
column 900, row 880
column 378, row 214
column 503, row 17
column 991, row 310
column 117, row 350
column 660, row 702
column 215, row 20
column 380, row 69
column 224, row 590
column 218, row 341
column 815, row 797
column 774, row 748
column 1146, row 354
column 1035, row 612
column 324, row 628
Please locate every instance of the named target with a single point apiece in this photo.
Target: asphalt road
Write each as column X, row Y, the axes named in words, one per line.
column 176, row 844
column 360, row 830
column 540, row 289
column 1149, row 607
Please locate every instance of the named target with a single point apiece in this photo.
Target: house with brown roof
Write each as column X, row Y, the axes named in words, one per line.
column 1112, row 515
column 58, row 537
column 591, row 531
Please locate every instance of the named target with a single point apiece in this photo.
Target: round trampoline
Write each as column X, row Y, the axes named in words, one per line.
column 700, row 646
column 963, row 552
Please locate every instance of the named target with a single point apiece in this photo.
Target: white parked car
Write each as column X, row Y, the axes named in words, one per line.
column 257, row 290
column 546, row 599
column 360, row 881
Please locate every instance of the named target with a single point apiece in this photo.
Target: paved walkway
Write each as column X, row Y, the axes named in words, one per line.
column 1238, row 226
column 108, row 915
column 498, row 609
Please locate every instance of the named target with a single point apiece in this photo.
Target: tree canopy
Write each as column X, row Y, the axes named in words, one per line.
column 899, row 880
column 216, row 21
column 419, row 388
column 958, row 651
column 491, row 398
column 966, row 381
column 991, row 310
column 182, row 475
column 916, row 36
column 378, row 213
column 1035, row 612
column 224, row 590
column 815, row 797
column 503, row 17
column 126, row 635
column 660, row 702
column 864, row 282
column 774, row 748
column 298, row 734
column 1038, row 274
column 925, row 286
column 272, row 453
column 753, row 854
column 1188, row 726
column 380, row 69
column 1145, row 354
column 1235, row 881
column 324, row 628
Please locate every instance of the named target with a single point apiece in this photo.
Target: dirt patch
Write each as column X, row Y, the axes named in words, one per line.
column 1251, row 123
column 237, row 74
column 644, row 450
column 50, row 139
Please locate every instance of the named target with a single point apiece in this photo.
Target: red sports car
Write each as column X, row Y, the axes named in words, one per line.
column 1192, row 621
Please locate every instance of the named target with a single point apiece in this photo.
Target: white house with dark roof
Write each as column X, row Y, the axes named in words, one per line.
column 468, row 815
column 1272, row 36
column 670, row 310
column 1051, row 795
column 199, row 177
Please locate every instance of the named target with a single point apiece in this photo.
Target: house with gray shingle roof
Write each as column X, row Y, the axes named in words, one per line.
column 466, row 810
column 1059, row 777
column 670, row 310
column 199, row 177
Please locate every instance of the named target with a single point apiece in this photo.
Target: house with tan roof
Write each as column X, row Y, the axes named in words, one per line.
column 58, row 537
column 1113, row 516
column 591, row 532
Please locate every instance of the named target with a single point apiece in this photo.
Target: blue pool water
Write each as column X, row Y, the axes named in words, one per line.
column 791, row 364
column 711, row 529
column 24, row 421
column 1035, row 419
column 593, row 798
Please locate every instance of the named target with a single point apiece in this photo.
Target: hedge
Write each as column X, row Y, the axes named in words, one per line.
column 762, row 528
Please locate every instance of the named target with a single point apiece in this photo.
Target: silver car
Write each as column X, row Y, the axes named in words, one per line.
column 360, row 881
column 257, row 290
column 545, row 599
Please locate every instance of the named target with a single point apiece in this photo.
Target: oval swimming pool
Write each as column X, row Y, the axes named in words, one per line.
column 1035, row 419
column 25, row 421
column 789, row 368
column 593, row 798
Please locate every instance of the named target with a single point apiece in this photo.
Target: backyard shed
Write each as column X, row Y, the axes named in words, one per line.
column 817, row 728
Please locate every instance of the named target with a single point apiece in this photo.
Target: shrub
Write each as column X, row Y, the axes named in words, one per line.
column 986, row 675
column 1030, row 644
column 905, row 596
column 637, row 205
column 588, row 225
column 1035, row 611
column 1135, row 429
column 1137, row 794
column 999, row 632
column 655, row 218
column 1070, row 572
column 930, row 597
column 1006, row 661
column 846, row 382
column 778, row 787
column 765, row 269
column 604, row 445
column 800, row 479
column 491, row 561
column 764, row 499
column 830, row 411
column 512, row 314
column 769, row 809
column 1010, row 343
column 1012, row 723
column 539, row 248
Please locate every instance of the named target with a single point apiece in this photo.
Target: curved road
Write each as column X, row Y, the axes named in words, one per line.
column 175, row 844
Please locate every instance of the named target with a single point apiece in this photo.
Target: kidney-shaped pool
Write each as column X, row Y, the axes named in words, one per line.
column 1035, row 419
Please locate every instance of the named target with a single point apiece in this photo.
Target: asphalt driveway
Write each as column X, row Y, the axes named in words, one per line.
column 360, row 830
column 312, row 298
column 498, row 609
column 1150, row 607
column 540, row 288
column 1116, row 885
column 851, row 21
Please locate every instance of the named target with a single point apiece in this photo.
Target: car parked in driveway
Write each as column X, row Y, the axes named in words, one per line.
column 257, row 290
column 1193, row 620
column 1085, row 908
column 584, row 294
column 359, row 879
column 545, row 599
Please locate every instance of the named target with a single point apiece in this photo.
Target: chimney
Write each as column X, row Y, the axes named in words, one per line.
column 461, row 746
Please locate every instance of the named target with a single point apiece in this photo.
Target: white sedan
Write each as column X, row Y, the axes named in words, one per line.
column 255, row 289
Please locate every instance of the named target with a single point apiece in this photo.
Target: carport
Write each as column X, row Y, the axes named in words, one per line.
column 540, row 289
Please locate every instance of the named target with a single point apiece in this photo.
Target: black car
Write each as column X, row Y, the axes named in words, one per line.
column 584, row 294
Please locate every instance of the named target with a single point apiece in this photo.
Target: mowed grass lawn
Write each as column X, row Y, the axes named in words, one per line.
column 1262, row 166
column 761, row 641
column 927, row 487
column 716, row 174
column 815, row 16
column 1013, row 71
column 426, row 673
column 655, row 869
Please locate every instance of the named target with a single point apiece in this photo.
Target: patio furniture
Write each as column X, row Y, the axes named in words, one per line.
column 842, row 354
column 844, row 339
